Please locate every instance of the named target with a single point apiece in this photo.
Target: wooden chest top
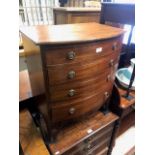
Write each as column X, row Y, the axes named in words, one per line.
column 70, row 33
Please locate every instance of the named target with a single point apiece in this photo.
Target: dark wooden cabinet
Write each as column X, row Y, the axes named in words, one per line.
column 73, row 68
column 91, row 136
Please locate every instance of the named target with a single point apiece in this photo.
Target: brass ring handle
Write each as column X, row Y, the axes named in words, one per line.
column 71, row 92
column 106, row 94
column 71, row 55
column 111, row 63
column 72, row 111
column 114, row 47
column 71, row 74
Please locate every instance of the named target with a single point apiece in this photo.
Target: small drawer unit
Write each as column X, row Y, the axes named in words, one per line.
column 93, row 136
column 73, row 66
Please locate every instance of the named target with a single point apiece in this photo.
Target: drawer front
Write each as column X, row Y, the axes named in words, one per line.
column 82, row 52
column 81, row 89
column 96, row 144
column 67, row 110
column 101, row 148
column 59, row 74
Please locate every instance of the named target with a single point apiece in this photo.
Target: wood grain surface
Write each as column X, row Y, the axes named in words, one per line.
column 70, row 33
column 124, row 103
column 30, row 138
column 83, row 52
column 78, row 132
column 25, row 91
column 91, row 50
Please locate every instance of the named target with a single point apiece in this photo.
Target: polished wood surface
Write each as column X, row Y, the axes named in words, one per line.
column 82, row 89
column 69, row 97
column 25, row 80
column 62, row 111
column 93, row 94
column 69, row 15
column 70, row 33
column 83, row 52
column 76, row 137
column 30, row 138
column 84, row 70
column 25, row 91
column 124, row 103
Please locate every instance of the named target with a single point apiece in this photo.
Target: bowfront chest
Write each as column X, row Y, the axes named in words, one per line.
column 72, row 67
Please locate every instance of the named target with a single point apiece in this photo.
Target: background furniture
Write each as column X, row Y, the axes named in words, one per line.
column 69, row 15
column 24, row 86
column 118, row 14
column 123, row 107
column 30, row 138
column 71, row 85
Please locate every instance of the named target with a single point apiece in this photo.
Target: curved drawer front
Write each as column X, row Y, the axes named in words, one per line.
column 81, row 89
column 74, row 109
column 59, row 74
column 81, row 52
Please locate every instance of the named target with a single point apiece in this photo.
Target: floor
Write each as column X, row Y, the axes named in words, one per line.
column 124, row 142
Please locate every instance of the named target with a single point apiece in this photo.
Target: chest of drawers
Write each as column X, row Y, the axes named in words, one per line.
column 73, row 68
column 92, row 136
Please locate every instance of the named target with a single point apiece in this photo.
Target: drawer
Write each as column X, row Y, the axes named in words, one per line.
column 67, row 110
column 81, row 89
column 81, row 52
column 97, row 143
column 59, row 74
column 102, row 147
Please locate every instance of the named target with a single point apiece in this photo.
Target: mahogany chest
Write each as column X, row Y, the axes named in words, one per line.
column 92, row 136
column 72, row 67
